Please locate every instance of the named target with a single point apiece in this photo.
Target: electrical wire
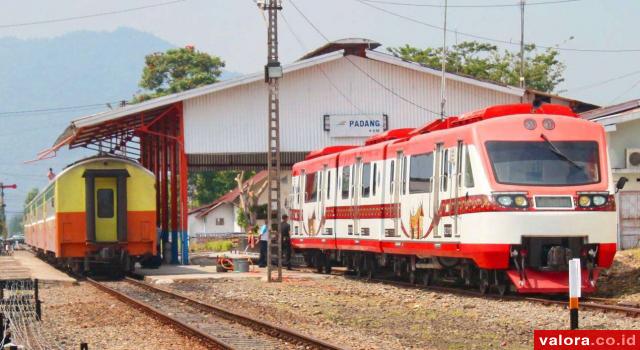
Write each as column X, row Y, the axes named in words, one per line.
column 471, row 6
column 603, row 82
column 100, row 14
column 331, row 82
column 480, row 37
column 625, row 92
column 56, row 109
column 360, row 68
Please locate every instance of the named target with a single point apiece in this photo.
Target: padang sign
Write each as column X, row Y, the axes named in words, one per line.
column 359, row 125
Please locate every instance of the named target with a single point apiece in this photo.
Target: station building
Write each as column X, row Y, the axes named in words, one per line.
column 340, row 93
column 622, row 124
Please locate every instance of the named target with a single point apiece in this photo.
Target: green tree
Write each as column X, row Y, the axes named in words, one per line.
column 543, row 70
column 207, row 186
column 178, row 70
column 30, row 196
column 15, row 225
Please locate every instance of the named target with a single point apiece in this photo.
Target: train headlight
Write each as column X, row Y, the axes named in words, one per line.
column 530, row 124
column 599, row 200
column 505, row 201
column 584, row 201
column 549, row 124
column 520, row 201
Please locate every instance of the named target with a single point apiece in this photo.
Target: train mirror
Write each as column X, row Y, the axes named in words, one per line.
column 621, row 182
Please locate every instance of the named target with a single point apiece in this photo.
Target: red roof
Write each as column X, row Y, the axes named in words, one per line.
column 228, row 197
column 388, row 135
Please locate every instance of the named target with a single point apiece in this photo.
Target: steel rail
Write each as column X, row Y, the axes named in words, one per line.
column 586, row 304
column 260, row 325
column 161, row 316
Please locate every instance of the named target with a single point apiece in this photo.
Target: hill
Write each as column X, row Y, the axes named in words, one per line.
column 78, row 69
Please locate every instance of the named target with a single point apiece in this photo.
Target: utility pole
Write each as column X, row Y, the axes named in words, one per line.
column 443, row 87
column 522, row 4
column 3, row 218
column 272, row 74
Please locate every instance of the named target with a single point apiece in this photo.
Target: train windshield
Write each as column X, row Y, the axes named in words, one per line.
column 540, row 163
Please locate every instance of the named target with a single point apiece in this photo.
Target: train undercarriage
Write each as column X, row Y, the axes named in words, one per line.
column 537, row 265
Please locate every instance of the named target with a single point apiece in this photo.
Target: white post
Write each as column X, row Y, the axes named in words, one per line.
column 575, row 291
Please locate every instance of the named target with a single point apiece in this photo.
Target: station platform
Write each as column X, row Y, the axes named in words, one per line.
column 204, row 267
column 23, row 264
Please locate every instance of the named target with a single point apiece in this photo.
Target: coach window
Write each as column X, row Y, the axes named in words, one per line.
column 405, row 160
column 311, row 189
column 375, row 179
column 445, row 170
column 392, row 178
column 105, row 203
column 366, row 180
column 328, row 184
column 420, row 173
column 468, row 171
column 346, row 174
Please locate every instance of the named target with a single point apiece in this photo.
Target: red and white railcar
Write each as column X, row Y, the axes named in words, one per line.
column 500, row 197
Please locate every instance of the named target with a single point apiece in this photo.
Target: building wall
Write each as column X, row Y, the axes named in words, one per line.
column 207, row 224
column 307, row 95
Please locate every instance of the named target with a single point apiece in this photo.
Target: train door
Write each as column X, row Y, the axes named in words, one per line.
column 437, row 185
column 447, row 184
column 106, row 220
column 356, row 188
column 457, row 187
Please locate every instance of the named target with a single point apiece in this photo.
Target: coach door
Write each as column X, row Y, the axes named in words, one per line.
column 437, row 185
column 397, row 177
column 356, row 186
column 457, row 186
column 106, row 208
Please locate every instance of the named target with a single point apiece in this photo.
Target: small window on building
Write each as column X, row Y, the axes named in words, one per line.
column 366, row 180
column 219, row 221
column 105, row 203
column 346, row 175
column 311, row 189
column 468, row 171
column 420, row 173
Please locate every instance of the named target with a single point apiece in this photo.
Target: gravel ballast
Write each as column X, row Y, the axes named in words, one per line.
column 361, row 315
column 72, row 314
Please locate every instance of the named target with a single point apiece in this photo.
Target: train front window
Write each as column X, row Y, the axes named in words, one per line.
column 540, row 163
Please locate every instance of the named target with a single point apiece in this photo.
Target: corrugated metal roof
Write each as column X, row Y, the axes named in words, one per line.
column 610, row 110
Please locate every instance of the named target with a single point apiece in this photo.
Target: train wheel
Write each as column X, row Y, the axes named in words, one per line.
column 370, row 266
column 427, row 278
column 327, row 263
column 319, row 261
column 501, row 283
column 483, row 281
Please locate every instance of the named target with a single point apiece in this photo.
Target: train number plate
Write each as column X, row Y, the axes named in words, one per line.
column 554, row 202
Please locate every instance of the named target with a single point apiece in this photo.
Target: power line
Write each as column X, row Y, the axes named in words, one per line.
column 480, row 37
column 592, row 85
column 360, row 68
column 56, row 109
column 469, row 5
column 73, row 18
column 303, row 46
column 625, row 92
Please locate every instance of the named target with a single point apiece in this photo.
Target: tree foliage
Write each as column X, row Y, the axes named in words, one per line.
column 543, row 70
column 15, row 225
column 178, row 70
column 30, row 196
column 207, row 186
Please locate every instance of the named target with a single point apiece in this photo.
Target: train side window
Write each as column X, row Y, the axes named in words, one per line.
column 445, row 170
column 346, row 174
column 404, row 174
column 375, row 179
column 392, row 175
column 328, row 184
column 366, row 180
column 468, row 171
column 311, row 188
column 420, row 173
column 105, row 203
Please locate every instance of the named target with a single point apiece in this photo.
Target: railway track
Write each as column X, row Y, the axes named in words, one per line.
column 217, row 327
column 587, row 303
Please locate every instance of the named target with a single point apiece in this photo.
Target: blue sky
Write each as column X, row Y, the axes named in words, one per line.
column 235, row 30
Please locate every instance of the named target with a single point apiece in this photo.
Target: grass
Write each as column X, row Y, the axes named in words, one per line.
column 211, row 246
